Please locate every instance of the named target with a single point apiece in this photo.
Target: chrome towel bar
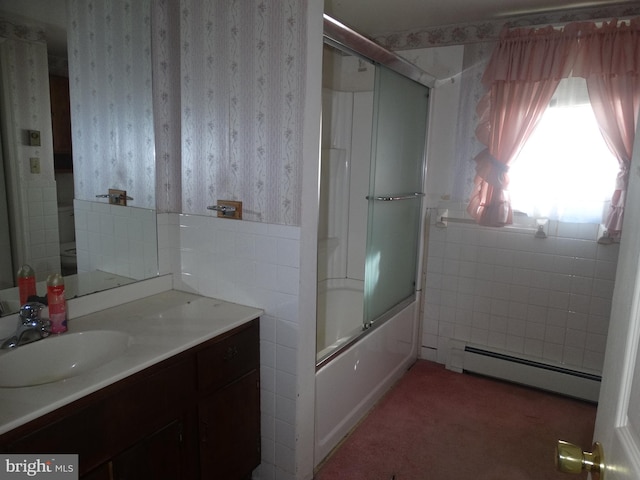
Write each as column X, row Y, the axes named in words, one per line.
column 114, row 196
column 407, row 196
column 222, row 208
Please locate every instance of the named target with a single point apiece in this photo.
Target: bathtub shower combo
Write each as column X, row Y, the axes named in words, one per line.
column 374, row 124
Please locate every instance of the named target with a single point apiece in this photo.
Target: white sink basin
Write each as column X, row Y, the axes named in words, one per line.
column 60, row 356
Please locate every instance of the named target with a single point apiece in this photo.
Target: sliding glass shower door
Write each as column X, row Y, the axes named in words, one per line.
column 371, row 176
column 395, row 191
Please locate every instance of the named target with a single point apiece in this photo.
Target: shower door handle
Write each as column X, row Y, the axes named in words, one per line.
column 393, row 198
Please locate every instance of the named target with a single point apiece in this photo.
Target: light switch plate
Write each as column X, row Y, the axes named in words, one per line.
column 34, row 165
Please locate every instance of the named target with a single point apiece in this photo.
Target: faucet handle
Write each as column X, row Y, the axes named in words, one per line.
column 30, row 312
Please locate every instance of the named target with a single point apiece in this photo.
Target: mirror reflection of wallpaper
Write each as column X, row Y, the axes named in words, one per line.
column 111, row 98
column 242, row 106
column 30, row 196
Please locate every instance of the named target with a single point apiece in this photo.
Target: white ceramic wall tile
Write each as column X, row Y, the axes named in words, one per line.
column 479, row 336
column 547, row 298
column 268, row 409
column 608, row 252
column 552, row 352
column 605, row 270
column 593, row 360
column 515, row 343
column 286, row 385
column 533, row 347
column 573, row 357
column 516, row 327
column 115, row 239
column 576, row 338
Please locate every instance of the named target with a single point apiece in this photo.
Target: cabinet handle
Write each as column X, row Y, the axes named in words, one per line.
column 231, row 353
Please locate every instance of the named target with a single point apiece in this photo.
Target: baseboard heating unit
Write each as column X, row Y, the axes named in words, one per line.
column 533, row 373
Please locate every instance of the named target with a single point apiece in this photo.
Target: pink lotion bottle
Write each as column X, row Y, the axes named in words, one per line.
column 57, row 303
column 26, row 283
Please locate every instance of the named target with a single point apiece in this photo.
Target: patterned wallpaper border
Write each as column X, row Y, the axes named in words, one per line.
column 489, row 31
column 8, row 29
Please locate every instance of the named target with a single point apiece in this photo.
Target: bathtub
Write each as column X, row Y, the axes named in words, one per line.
column 350, row 383
column 340, row 310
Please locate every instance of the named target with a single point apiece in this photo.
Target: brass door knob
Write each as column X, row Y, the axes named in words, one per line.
column 571, row 459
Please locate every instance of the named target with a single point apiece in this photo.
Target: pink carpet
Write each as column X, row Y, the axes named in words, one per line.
column 440, row 425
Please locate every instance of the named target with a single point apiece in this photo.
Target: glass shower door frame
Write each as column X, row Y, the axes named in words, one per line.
column 350, row 42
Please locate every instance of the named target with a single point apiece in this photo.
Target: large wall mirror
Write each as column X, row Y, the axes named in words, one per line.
column 76, row 122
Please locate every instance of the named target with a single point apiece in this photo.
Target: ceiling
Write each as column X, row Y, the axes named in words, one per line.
column 375, row 17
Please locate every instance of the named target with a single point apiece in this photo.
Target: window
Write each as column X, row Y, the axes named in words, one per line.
column 565, row 170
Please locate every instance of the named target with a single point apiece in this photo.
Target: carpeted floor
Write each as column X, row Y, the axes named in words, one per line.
column 440, row 425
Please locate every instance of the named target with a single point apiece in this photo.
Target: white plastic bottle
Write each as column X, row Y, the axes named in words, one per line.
column 57, row 303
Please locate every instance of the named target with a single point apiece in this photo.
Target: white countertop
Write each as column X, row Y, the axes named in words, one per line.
column 160, row 327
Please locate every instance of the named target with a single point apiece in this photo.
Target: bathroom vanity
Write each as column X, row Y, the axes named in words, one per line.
column 183, row 401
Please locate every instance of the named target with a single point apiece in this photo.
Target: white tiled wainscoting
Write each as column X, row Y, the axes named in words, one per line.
column 548, row 299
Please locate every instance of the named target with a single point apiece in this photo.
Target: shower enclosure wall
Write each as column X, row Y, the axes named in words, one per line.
column 371, row 188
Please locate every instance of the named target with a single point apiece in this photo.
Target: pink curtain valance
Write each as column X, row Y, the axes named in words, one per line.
column 610, row 49
column 529, row 54
column 579, row 49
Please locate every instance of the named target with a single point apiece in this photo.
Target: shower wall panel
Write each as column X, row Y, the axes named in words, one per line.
column 344, row 184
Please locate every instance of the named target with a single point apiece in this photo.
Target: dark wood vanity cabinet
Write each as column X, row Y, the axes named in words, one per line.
column 195, row 415
column 229, row 427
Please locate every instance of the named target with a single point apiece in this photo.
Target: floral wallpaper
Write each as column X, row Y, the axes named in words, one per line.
column 490, row 30
column 111, row 98
column 241, row 106
column 165, row 32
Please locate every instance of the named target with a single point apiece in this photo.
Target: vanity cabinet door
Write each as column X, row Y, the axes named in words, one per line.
column 229, row 427
column 160, row 456
column 229, row 358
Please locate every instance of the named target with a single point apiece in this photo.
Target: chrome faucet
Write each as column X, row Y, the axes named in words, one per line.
column 31, row 327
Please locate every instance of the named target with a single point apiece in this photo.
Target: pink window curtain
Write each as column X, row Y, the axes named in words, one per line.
column 609, row 59
column 521, row 77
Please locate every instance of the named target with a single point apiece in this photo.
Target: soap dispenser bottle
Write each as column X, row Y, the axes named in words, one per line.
column 26, row 283
column 57, row 303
